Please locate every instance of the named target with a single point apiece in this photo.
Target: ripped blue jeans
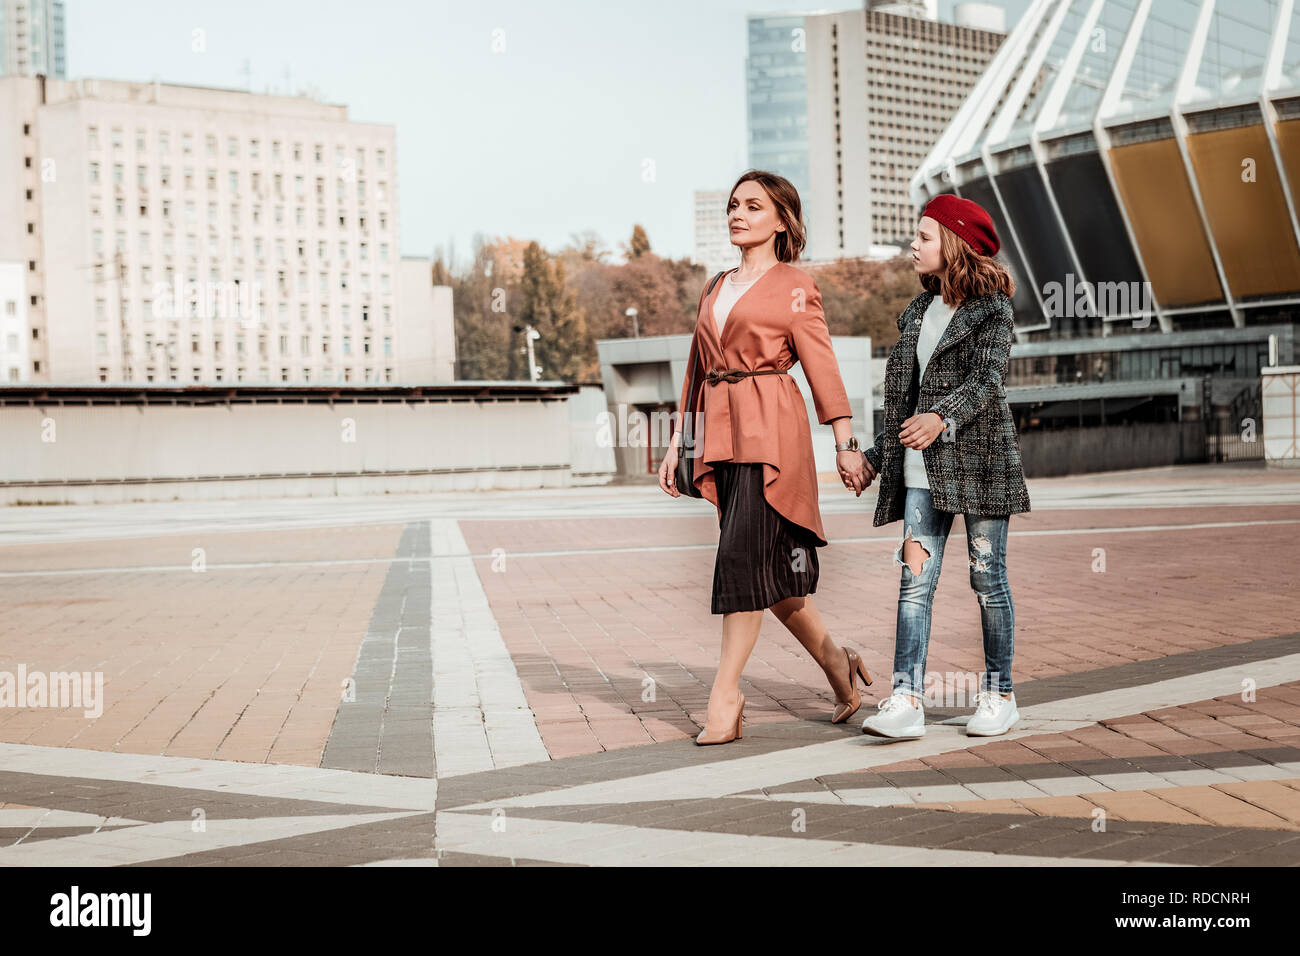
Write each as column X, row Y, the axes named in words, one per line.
column 986, row 545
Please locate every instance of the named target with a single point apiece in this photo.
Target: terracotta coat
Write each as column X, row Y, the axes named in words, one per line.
column 777, row 321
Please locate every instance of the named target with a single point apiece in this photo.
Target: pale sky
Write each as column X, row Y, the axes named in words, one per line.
column 543, row 139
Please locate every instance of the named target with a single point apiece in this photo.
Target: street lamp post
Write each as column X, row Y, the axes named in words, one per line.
column 534, row 370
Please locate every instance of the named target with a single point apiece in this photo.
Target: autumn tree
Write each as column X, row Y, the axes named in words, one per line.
column 563, row 349
column 480, row 307
column 638, row 245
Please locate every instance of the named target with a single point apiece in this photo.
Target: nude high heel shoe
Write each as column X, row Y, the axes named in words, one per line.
column 846, row 710
column 734, row 733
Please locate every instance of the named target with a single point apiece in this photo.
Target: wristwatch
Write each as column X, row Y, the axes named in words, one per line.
column 850, row 445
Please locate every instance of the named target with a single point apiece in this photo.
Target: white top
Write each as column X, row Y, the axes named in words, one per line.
column 933, row 324
column 729, row 291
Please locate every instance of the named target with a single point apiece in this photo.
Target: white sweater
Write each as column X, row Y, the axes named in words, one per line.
column 933, row 325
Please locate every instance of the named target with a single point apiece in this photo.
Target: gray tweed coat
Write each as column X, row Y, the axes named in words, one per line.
column 974, row 466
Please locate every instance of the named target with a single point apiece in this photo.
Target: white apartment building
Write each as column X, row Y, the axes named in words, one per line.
column 713, row 248
column 189, row 234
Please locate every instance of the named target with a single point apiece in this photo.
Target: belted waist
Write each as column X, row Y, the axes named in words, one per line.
column 736, row 374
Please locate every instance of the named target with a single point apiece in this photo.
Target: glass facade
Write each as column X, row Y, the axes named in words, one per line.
column 776, row 92
column 1148, row 86
column 1025, row 198
column 1099, row 52
column 1094, row 221
column 1231, row 360
column 1155, row 148
column 980, row 191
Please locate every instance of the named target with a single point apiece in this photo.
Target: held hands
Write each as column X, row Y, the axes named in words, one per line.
column 920, row 431
column 852, row 466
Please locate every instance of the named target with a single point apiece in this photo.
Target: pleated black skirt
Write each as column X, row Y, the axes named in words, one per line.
column 763, row 556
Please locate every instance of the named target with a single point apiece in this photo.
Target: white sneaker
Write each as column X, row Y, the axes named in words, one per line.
column 896, row 717
column 994, row 714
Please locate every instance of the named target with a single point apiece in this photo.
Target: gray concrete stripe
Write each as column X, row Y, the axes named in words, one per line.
column 612, row 765
column 1128, row 773
column 213, row 779
column 385, row 724
column 726, row 777
column 1231, row 678
column 1039, row 839
column 742, row 842
column 769, row 737
column 1138, row 673
column 63, row 798
column 151, row 842
column 407, row 837
column 12, row 836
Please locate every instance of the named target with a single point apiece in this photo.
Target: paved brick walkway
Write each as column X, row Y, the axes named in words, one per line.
column 589, row 629
column 485, row 678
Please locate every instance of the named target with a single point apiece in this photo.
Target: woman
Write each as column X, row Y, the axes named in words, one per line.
column 756, row 463
column 957, row 451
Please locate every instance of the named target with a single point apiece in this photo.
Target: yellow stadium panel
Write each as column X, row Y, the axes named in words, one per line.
column 1288, row 140
column 1154, row 189
column 1246, row 210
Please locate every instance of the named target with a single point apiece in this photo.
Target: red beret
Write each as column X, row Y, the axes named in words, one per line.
column 967, row 219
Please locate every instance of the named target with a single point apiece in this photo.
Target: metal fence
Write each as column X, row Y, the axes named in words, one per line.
column 1233, row 446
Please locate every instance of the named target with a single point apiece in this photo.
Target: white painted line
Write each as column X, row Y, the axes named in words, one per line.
column 726, row 777
column 413, row 861
column 1174, row 692
column 225, row 776
column 40, row 817
column 464, row 553
column 1033, row 788
column 802, row 796
column 161, row 841
column 481, row 717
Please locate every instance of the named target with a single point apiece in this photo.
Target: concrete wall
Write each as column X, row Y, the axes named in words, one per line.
column 1069, row 451
column 115, row 452
column 426, row 328
column 592, row 457
column 1280, row 392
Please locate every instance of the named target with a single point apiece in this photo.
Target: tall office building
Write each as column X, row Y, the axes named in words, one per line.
column 32, row 38
column 776, row 97
column 157, row 232
column 881, row 88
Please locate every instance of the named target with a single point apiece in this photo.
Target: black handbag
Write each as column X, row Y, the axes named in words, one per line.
column 684, row 476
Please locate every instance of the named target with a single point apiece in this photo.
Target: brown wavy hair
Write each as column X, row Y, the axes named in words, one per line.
column 789, row 244
column 965, row 272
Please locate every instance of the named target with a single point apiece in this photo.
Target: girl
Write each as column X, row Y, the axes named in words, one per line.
column 756, row 463
column 956, row 451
